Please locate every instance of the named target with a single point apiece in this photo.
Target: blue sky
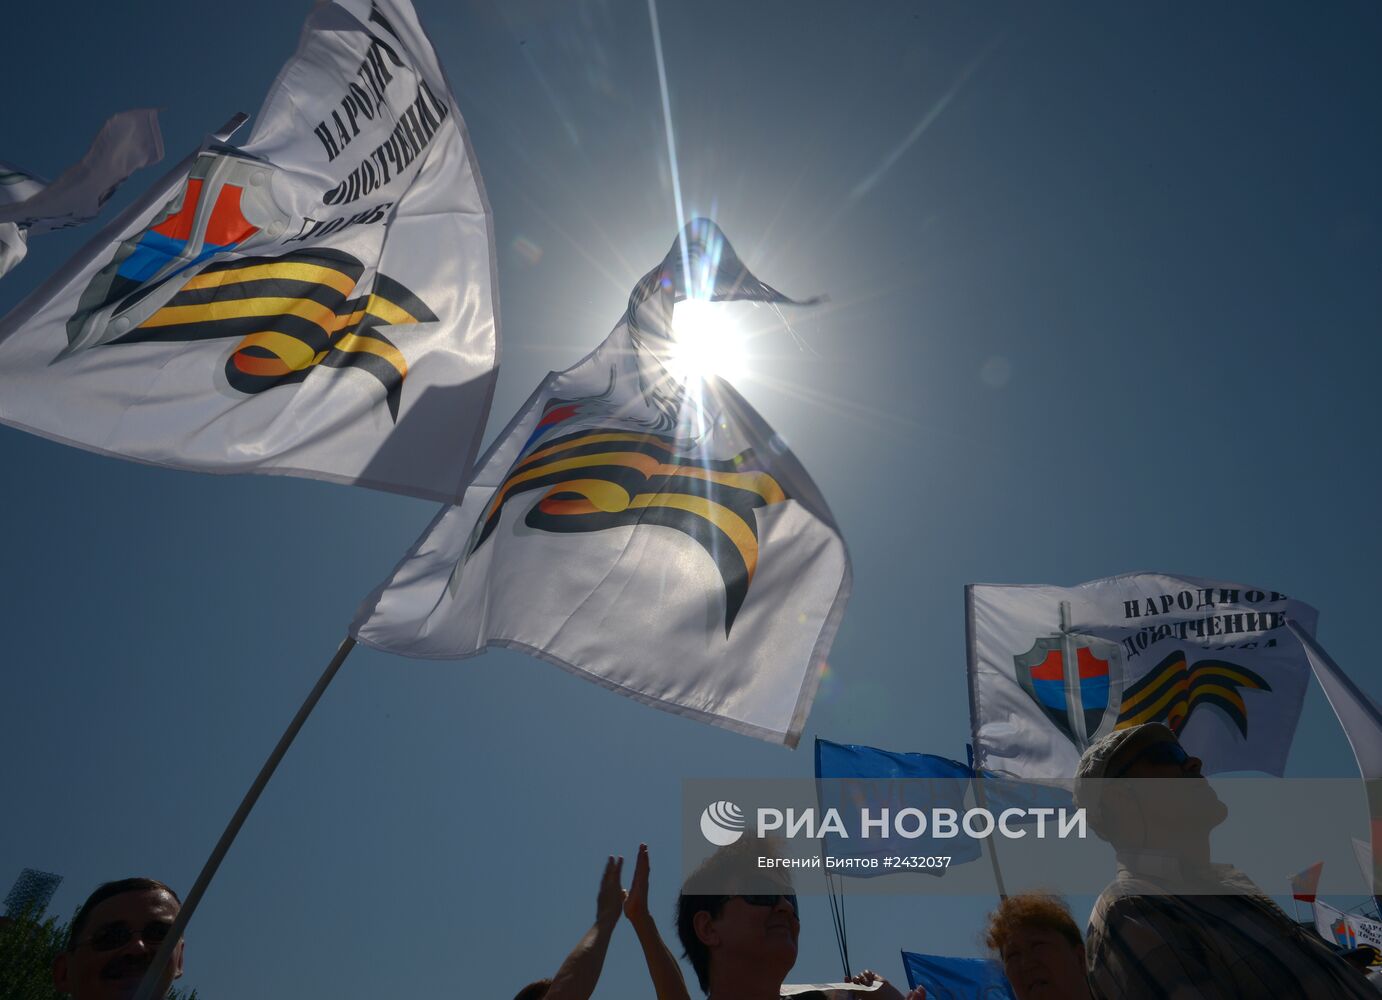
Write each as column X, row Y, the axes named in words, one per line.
column 1104, row 296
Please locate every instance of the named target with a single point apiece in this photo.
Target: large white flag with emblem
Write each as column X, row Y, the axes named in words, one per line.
column 649, row 533
column 318, row 302
column 1051, row 669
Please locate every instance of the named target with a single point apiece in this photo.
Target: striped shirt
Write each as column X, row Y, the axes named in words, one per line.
column 1145, row 943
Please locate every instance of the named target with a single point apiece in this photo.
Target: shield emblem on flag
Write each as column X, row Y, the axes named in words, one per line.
column 225, row 204
column 1067, row 674
column 1343, row 934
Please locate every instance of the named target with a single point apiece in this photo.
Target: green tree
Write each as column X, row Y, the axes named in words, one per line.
column 28, row 946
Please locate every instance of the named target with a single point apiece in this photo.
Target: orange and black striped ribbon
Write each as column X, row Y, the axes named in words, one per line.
column 1172, row 690
column 605, row 478
column 292, row 313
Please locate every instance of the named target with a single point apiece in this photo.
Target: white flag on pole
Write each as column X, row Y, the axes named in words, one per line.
column 1347, row 930
column 318, row 302
column 652, row 535
column 1051, row 669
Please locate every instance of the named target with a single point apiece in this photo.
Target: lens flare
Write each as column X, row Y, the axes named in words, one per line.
column 705, row 342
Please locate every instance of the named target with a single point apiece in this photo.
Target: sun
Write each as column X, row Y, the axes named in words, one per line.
column 705, row 342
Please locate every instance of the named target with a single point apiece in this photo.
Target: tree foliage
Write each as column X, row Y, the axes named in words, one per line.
column 28, row 946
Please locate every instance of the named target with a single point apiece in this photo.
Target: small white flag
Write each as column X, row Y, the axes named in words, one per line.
column 1051, row 669
column 650, row 534
column 318, row 302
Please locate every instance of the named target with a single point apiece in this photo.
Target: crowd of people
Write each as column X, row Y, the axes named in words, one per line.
column 1150, row 937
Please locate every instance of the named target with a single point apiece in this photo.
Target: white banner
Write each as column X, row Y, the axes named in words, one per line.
column 1347, row 930
column 651, row 535
column 1053, row 668
column 317, row 302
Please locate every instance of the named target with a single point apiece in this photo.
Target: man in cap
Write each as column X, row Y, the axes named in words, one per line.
column 1173, row 925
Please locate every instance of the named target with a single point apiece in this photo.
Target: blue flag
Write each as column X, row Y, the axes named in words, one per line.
column 850, row 778
column 957, row 978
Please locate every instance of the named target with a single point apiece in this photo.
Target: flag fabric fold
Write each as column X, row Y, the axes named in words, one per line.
column 1051, row 669
column 126, row 142
column 651, row 534
column 1361, row 720
column 16, row 187
column 14, row 246
column 319, row 301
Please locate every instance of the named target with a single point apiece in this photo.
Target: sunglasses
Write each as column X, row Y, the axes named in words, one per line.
column 764, row 900
column 117, row 935
column 1164, row 752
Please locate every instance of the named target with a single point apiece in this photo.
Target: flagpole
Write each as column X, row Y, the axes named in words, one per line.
column 992, row 842
column 165, row 951
column 976, row 774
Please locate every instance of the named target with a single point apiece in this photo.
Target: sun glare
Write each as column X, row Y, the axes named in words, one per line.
column 705, row 341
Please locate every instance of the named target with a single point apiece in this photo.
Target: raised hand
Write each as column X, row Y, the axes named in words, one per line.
column 886, row 992
column 611, row 896
column 636, row 899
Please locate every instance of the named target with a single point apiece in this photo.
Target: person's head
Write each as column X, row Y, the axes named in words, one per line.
column 1040, row 946
column 1130, row 813
column 749, row 933
column 113, row 940
column 534, row 991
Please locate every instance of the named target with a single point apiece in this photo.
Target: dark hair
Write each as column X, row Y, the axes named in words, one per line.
column 105, row 891
column 534, row 991
column 734, row 867
column 692, row 946
column 1032, row 909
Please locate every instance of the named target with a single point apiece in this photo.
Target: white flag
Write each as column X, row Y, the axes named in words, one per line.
column 1347, row 930
column 318, row 302
column 1051, row 669
column 652, row 535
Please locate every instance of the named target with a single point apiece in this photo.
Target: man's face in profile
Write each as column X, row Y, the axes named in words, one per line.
column 117, row 944
column 1181, row 800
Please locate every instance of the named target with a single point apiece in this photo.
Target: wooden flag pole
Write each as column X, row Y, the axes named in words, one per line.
column 165, row 950
column 992, row 844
